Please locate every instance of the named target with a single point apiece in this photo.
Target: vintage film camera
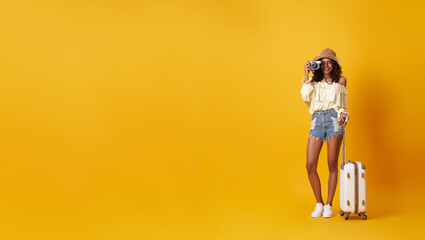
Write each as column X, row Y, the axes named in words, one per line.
column 314, row 65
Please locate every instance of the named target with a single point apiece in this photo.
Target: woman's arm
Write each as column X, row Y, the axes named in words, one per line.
column 342, row 114
column 307, row 70
column 343, row 81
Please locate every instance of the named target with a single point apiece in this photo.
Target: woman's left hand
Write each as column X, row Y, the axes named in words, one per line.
column 343, row 116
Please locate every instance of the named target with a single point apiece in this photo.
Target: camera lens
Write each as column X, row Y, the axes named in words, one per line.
column 314, row 65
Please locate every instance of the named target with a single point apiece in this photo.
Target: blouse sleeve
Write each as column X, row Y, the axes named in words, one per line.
column 309, row 80
column 341, row 100
column 342, row 110
column 307, row 90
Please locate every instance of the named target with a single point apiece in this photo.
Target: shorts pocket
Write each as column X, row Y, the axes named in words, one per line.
column 313, row 122
column 336, row 124
column 334, row 113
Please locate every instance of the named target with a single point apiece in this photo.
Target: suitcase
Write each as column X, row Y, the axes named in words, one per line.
column 352, row 185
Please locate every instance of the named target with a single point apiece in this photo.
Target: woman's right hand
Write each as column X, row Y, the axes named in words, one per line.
column 307, row 68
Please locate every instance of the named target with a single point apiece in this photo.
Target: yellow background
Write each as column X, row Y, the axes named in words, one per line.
column 184, row 119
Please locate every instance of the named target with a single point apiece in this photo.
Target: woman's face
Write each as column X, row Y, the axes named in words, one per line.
column 326, row 65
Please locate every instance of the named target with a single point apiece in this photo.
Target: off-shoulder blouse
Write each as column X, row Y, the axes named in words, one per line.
column 321, row 96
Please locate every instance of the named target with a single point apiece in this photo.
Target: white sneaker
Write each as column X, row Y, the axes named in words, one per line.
column 318, row 210
column 328, row 211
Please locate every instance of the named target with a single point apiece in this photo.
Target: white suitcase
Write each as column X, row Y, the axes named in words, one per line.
column 352, row 186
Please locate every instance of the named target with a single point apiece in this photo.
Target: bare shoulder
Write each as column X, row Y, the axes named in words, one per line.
column 342, row 81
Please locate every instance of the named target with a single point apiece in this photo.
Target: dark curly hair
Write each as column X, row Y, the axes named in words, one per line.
column 335, row 74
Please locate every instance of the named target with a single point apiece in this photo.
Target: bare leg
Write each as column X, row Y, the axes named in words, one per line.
column 334, row 145
column 313, row 150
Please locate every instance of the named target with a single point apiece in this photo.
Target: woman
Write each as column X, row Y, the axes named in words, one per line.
column 326, row 95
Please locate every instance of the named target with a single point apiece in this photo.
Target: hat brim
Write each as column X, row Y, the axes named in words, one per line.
column 326, row 56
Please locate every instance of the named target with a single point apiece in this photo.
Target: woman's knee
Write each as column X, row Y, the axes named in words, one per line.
column 311, row 167
column 333, row 165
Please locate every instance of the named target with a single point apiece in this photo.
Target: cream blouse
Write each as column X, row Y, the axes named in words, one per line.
column 321, row 96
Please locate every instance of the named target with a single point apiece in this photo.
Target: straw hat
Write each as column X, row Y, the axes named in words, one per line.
column 327, row 53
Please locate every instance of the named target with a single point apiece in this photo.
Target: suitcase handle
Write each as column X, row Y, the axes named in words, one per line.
column 344, row 147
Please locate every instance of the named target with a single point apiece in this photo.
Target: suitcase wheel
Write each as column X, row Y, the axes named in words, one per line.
column 341, row 213
column 346, row 216
column 364, row 217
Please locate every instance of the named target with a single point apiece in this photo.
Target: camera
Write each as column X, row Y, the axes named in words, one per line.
column 314, row 65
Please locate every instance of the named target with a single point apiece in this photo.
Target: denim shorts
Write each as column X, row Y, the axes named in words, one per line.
column 325, row 124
